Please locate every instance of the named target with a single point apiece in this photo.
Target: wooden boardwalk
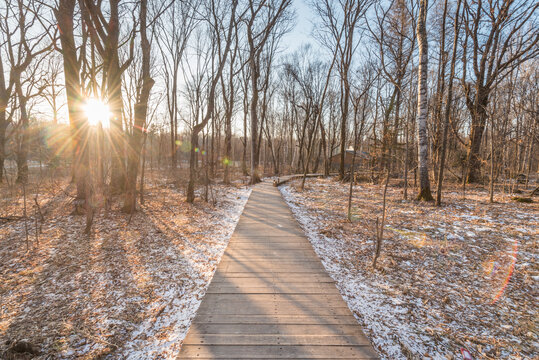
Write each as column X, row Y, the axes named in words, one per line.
column 271, row 298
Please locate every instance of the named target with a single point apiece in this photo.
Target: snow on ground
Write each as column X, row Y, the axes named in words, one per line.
column 463, row 277
column 129, row 290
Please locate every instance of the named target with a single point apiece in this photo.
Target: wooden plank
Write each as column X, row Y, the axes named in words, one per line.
column 272, row 237
column 277, row 352
column 264, row 262
column 276, row 329
column 269, row 254
column 269, row 240
column 248, row 280
column 243, row 230
column 269, row 219
column 278, row 267
column 263, row 247
column 297, row 288
column 311, row 299
column 276, row 277
column 268, row 258
column 271, row 339
column 249, row 308
column 277, row 319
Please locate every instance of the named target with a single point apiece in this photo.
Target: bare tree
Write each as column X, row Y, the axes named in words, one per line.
column 228, row 88
column 175, row 26
column 500, row 35
column 141, row 109
column 263, row 18
column 394, row 35
column 105, row 34
column 54, row 88
column 5, row 119
column 215, row 16
column 339, row 24
column 448, row 105
column 422, row 105
column 64, row 14
column 24, row 41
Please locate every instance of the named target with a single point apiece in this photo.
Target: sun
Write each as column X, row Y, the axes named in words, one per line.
column 97, row 112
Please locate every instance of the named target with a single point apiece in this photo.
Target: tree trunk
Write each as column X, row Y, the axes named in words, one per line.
column 77, row 122
column 4, row 98
column 114, row 85
column 244, row 143
column 228, row 146
column 344, row 118
column 143, row 167
column 141, row 109
column 3, row 128
column 22, row 152
column 113, row 73
column 173, row 160
column 190, row 196
column 491, row 185
column 479, row 118
column 422, row 106
column 255, row 153
column 447, row 109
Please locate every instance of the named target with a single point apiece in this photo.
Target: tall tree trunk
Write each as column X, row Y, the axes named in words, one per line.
column 141, row 109
column 78, row 124
column 22, row 152
column 143, row 166
column 447, row 109
column 3, row 128
column 112, row 72
column 244, row 142
column 114, row 88
column 4, row 98
column 228, row 147
column 344, row 119
column 324, row 148
column 173, row 159
column 192, row 167
column 352, row 168
column 393, row 159
column 210, row 155
column 255, row 153
column 229, row 106
column 422, row 106
column 491, row 185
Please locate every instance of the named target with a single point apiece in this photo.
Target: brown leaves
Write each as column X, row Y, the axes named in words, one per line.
column 467, row 267
column 84, row 297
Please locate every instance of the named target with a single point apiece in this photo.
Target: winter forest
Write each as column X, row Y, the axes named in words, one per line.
column 269, row 179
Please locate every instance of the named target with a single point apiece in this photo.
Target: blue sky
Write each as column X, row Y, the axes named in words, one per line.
column 300, row 34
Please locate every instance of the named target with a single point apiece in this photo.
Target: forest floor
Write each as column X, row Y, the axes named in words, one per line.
column 455, row 280
column 128, row 290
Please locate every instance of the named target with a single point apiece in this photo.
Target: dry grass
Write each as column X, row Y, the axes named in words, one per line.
column 464, row 275
column 124, row 288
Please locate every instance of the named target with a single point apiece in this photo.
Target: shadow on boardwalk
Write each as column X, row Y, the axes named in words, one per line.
column 271, row 297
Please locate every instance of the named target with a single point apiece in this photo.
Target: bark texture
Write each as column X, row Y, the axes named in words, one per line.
column 422, row 106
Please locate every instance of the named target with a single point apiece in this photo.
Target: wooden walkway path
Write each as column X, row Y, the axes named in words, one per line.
column 271, row 298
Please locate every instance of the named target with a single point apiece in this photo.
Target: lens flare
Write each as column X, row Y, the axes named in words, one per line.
column 97, row 112
column 508, row 274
